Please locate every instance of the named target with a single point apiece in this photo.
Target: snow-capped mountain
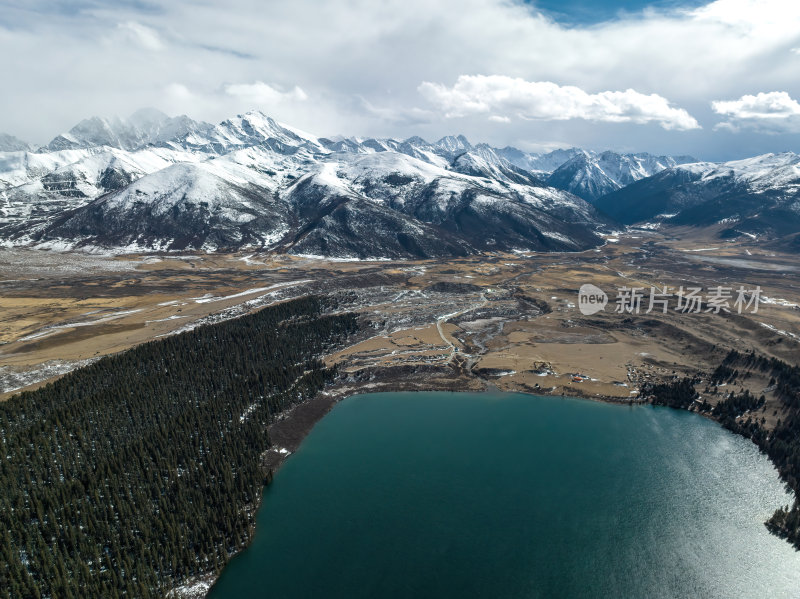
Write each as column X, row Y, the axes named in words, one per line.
column 152, row 182
column 247, row 130
column 474, row 213
column 354, row 205
column 9, row 143
column 541, row 165
column 36, row 186
column 591, row 176
column 758, row 196
column 146, row 126
column 453, row 145
column 483, row 161
column 185, row 205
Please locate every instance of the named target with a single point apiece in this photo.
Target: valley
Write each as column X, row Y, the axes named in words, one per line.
column 502, row 320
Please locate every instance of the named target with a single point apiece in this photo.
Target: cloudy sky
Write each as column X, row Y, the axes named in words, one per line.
column 716, row 80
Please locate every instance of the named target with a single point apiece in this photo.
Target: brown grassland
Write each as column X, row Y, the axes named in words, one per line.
column 503, row 320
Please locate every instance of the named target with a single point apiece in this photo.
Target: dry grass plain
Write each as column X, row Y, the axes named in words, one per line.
column 507, row 320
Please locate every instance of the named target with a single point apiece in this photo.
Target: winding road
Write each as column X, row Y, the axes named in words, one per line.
column 443, row 319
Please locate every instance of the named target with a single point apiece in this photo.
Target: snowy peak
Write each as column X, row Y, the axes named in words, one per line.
column 454, row 152
column 760, row 171
column 94, row 131
column 146, row 126
column 539, row 164
column 483, row 161
column 245, row 130
column 453, row 144
column 9, row 143
column 255, row 127
column 765, row 170
column 757, row 197
column 591, row 176
column 156, row 128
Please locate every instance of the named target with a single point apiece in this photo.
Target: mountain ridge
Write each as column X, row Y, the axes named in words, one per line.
column 126, row 185
column 153, row 182
column 755, row 197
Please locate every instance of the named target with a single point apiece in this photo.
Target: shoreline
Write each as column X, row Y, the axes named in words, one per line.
column 293, row 426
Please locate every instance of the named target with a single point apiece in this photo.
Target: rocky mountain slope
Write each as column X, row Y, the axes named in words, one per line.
column 758, row 197
column 591, row 176
column 155, row 183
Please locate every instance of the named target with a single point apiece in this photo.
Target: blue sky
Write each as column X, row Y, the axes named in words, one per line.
column 717, row 80
column 580, row 12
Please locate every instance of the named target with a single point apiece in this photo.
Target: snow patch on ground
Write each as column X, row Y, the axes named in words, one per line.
column 54, row 329
column 342, row 258
column 779, row 331
column 777, row 301
column 558, row 237
column 208, row 298
column 11, row 380
column 193, row 590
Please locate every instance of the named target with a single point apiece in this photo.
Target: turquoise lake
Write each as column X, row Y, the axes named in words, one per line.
column 498, row 495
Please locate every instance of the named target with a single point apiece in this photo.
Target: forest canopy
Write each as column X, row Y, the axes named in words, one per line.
column 142, row 470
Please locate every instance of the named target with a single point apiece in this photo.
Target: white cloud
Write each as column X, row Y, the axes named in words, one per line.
column 769, row 111
column 263, row 94
column 404, row 116
column 547, row 101
column 496, row 118
column 764, row 20
column 142, row 35
column 178, row 92
column 340, row 52
column 764, row 105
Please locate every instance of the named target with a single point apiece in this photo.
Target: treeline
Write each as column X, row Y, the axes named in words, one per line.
column 782, row 444
column 735, row 405
column 784, row 377
column 134, row 474
column 678, row 394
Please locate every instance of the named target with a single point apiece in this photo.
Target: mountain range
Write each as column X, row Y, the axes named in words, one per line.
column 157, row 183
column 757, row 197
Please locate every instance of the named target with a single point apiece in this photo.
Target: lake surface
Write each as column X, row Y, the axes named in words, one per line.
column 506, row 496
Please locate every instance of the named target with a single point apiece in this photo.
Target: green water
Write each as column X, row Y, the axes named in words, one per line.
column 460, row 495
